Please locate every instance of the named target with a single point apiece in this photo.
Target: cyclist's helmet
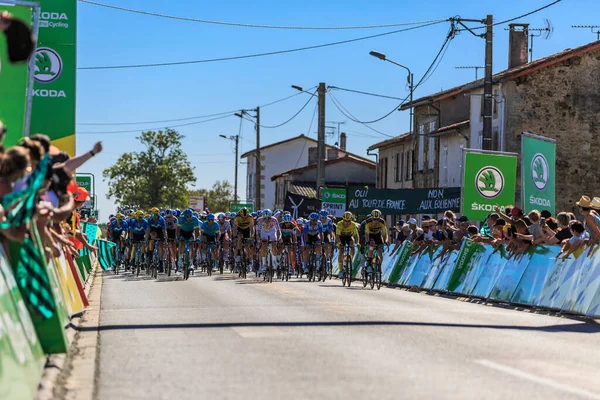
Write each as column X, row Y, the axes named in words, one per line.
column 139, row 214
column 210, row 217
column 154, row 210
column 254, row 215
column 119, row 216
column 300, row 221
column 267, row 213
column 221, row 216
column 178, row 212
column 187, row 213
column 243, row 212
column 347, row 216
column 287, row 218
column 232, row 215
column 313, row 216
column 227, row 214
column 376, row 214
column 111, row 216
column 324, row 213
column 259, row 213
column 129, row 212
column 162, row 213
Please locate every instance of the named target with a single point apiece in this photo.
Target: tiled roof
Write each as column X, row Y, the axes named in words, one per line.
column 391, row 141
column 306, row 189
column 508, row 74
column 452, row 127
column 347, row 158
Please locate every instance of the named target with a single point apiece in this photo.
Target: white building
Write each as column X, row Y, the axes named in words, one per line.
column 289, row 154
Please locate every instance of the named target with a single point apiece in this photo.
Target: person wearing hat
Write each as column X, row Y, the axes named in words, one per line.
column 591, row 218
column 404, row 234
column 416, row 231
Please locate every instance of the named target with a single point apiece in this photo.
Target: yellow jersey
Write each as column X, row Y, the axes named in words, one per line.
column 376, row 226
column 243, row 222
column 346, row 230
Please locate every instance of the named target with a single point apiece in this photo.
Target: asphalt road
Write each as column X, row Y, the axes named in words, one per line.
column 224, row 338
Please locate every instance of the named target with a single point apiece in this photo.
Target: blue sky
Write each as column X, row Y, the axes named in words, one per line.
column 110, row 37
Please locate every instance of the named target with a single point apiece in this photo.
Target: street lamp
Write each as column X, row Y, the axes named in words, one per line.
column 410, row 80
column 235, row 139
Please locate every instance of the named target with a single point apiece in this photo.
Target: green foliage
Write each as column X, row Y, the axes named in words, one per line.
column 218, row 198
column 156, row 177
column 489, row 181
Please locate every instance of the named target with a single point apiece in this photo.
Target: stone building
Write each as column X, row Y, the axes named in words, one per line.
column 556, row 96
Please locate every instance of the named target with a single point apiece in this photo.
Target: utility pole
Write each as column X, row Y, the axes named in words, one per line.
column 488, row 87
column 258, row 162
column 321, row 140
column 235, row 139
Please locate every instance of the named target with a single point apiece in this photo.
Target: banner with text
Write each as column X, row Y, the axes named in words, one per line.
column 301, row 206
column 538, row 173
column 53, row 104
column 362, row 201
column 489, row 179
column 334, row 201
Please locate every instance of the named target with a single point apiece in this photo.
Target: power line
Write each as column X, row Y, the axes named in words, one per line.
column 349, row 115
column 246, row 25
column 160, row 127
column 271, row 53
column 293, row 116
column 307, row 134
column 365, row 93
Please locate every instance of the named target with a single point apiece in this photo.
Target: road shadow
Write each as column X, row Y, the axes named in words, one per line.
column 571, row 328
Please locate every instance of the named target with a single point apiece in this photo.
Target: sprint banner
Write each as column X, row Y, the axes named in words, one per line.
column 538, row 172
column 53, row 104
column 489, row 179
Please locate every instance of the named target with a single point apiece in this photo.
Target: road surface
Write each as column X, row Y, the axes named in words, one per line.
column 224, row 338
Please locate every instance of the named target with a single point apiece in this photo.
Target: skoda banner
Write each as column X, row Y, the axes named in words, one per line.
column 489, row 179
column 537, row 172
column 334, row 200
column 53, row 106
column 13, row 81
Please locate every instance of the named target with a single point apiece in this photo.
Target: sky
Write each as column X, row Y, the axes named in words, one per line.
column 127, row 101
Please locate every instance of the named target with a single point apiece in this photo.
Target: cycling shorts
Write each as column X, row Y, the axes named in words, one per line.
column 268, row 236
column 138, row 237
column 186, row 235
column 346, row 240
column 115, row 236
column 377, row 239
column 244, row 233
column 158, row 231
column 327, row 237
column 286, row 239
column 171, row 233
column 209, row 239
column 312, row 239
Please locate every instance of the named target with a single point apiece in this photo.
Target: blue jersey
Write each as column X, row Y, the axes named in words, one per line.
column 139, row 228
column 312, row 230
column 159, row 223
column 210, row 230
column 287, row 229
column 118, row 227
column 327, row 224
column 188, row 226
column 225, row 226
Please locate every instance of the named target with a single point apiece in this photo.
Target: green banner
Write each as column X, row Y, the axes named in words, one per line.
column 236, row 207
column 538, row 173
column 334, row 201
column 13, row 81
column 85, row 181
column 53, row 108
column 489, row 179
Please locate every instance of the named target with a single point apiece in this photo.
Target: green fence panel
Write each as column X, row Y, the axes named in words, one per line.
column 436, row 269
column 401, row 263
column 446, row 271
column 81, row 268
column 468, row 267
column 388, row 267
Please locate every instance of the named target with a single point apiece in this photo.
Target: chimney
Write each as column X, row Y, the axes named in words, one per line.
column 518, row 45
column 343, row 141
column 313, row 155
column 332, row 153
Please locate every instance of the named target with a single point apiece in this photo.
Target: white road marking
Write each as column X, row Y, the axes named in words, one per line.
column 539, row 380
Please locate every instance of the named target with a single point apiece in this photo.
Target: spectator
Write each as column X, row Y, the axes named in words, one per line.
column 404, row 234
column 580, row 236
column 591, row 219
column 486, row 228
column 535, row 229
column 558, row 236
column 546, row 214
column 414, row 228
column 20, row 41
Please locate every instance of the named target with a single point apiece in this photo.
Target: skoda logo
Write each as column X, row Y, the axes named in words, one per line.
column 48, row 65
column 539, row 171
column 326, row 195
column 489, row 182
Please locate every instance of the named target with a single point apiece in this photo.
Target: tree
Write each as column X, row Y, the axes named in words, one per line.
column 156, row 177
column 218, row 198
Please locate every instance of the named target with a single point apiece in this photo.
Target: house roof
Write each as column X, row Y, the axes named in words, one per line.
column 302, row 136
column 506, row 75
column 306, row 189
column 452, row 127
column 347, row 158
column 392, row 141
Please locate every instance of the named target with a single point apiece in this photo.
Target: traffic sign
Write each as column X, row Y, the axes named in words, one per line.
column 236, row 207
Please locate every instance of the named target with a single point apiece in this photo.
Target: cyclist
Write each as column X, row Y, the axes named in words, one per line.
column 243, row 227
column 346, row 233
column 289, row 237
column 225, row 228
column 376, row 234
column 269, row 231
column 138, row 229
column 117, row 228
column 158, row 232
column 171, row 222
column 210, row 233
column 328, row 232
column 313, row 235
column 188, row 228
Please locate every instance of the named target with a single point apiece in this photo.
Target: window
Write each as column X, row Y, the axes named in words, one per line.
column 400, row 165
column 445, row 166
column 431, row 150
column 385, row 173
column 408, row 159
column 421, row 146
column 397, row 173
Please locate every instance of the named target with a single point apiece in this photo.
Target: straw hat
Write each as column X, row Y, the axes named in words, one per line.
column 596, row 203
column 584, row 202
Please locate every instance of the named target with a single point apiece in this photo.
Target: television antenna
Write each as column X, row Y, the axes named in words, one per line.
column 476, row 68
column 594, row 28
column 536, row 32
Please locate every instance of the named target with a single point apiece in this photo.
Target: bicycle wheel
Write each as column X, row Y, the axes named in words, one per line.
column 372, row 278
column 365, row 276
column 349, row 271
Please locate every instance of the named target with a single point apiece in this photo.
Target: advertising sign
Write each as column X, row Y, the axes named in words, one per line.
column 334, row 201
column 53, row 105
column 197, row 203
column 363, row 200
column 489, row 179
column 236, row 207
column 301, row 206
column 538, row 173
column 13, row 81
column 85, row 181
